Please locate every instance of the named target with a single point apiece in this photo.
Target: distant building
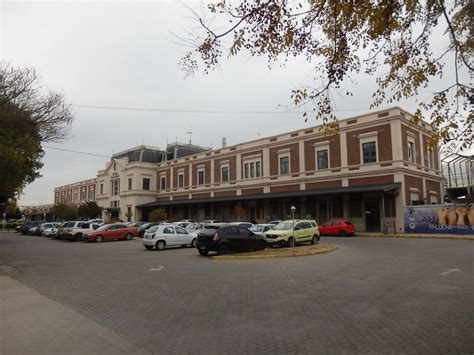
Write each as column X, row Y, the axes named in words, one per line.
column 76, row 193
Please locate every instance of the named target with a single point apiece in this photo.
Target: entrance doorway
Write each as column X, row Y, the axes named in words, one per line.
column 372, row 216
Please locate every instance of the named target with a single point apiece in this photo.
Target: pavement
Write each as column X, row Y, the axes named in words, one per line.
column 417, row 235
column 33, row 324
column 371, row 295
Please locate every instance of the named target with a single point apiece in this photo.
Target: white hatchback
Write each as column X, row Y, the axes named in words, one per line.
column 161, row 237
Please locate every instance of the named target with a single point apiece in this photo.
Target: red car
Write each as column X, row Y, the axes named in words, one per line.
column 338, row 227
column 111, row 231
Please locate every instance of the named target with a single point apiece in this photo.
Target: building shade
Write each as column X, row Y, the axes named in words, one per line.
column 314, row 192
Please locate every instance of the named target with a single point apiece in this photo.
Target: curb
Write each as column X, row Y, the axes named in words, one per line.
column 414, row 236
column 246, row 256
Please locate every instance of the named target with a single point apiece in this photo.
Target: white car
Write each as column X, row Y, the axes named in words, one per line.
column 161, row 237
column 261, row 228
column 49, row 229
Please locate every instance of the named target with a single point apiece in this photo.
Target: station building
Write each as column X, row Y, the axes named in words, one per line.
column 376, row 165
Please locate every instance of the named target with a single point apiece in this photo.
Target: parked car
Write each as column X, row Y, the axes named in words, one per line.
column 282, row 234
column 275, row 222
column 46, row 226
column 110, row 232
column 340, row 227
column 242, row 224
column 161, row 237
column 76, row 234
column 66, row 228
column 28, row 225
column 227, row 239
column 142, row 229
column 32, row 230
column 49, row 232
column 96, row 221
column 261, row 228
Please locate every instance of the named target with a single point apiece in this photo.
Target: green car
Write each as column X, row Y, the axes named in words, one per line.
column 282, row 234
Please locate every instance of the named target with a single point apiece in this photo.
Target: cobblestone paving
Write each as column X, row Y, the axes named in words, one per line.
column 372, row 295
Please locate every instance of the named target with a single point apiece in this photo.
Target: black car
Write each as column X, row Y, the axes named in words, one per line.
column 144, row 227
column 27, row 225
column 227, row 239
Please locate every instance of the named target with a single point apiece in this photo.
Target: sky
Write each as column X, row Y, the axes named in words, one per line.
column 126, row 54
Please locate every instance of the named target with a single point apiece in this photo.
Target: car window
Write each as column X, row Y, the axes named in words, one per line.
column 80, row 224
column 168, row 230
column 299, row 226
column 95, row 226
column 69, row 224
column 86, row 226
column 120, row 226
column 244, row 231
column 153, row 229
column 180, row 230
column 313, row 224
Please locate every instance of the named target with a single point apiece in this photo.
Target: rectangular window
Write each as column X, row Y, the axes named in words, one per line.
column 246, row 170
column 411, row 152
column 115, row 187
column 201, row 177
column 129, row 184
column 180, row 181
column 146, row 184
column 163, row 183
column 370, row 152
column 252, row 170
column 225, row 174
column 257, row 169
column 101, row 189
column 284, row 165
column 430, row 158
column 323, row 159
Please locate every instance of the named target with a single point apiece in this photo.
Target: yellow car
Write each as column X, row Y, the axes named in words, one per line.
column 282, row 234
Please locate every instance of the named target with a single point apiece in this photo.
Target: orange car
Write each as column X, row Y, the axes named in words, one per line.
column 110, row 232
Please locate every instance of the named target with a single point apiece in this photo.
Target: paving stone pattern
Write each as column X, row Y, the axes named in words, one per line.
column 372, row 295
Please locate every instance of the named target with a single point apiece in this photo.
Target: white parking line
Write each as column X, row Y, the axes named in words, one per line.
column 159, row 268
column 450, row 271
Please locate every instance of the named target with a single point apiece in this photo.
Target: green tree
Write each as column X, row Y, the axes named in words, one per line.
column 389, row 40
column 89, row 210
column 158, row 215
column 29, row 116
column 64, row 212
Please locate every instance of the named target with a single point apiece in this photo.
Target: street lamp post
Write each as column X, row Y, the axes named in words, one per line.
column 44, row 216
column 293, row 209
column 4, row 220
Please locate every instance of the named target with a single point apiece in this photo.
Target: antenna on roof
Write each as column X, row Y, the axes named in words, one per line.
column 190, row 132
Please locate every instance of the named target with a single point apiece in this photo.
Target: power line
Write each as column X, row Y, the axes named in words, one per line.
column 101, row 107
column 77, row 151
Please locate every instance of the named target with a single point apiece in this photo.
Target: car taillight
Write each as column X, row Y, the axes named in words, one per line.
column 216, row 237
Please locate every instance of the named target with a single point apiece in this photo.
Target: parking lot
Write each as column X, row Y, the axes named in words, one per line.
column 379, row 295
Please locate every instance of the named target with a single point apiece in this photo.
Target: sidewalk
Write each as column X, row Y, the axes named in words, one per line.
column 419, row 235
column 33, row 324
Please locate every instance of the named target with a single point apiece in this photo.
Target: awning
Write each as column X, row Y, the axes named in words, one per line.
column 300, row 193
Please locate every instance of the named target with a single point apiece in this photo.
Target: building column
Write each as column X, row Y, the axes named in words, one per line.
column 238, row 167
column 212, row 172
column 400, row 203
column 345, row 206
column 343, row 148
column 266, row 162
column 396, row 135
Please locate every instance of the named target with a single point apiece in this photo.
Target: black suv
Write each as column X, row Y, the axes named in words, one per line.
column 229, row 238
column 27, row 225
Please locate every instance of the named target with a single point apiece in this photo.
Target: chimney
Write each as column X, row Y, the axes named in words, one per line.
column 224, row 142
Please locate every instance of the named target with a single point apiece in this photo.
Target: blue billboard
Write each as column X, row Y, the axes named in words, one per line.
column 439, row 219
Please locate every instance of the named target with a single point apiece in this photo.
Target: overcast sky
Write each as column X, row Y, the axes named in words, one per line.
column 123, row 54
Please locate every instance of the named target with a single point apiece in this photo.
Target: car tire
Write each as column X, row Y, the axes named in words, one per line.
column 315, row 239
column 203, row 252
column 129, row 236
column 290, row 242
column 342, row 233
column 148, row 247
column 99, row 239
column 223, row 249
column 160, row 245
column 193, row 243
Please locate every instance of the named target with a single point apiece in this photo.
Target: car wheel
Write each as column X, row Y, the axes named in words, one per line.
column 160, row 245
column 314, row 240
column 148, row 247
column 193, row 243
column 99, row 239
column 203, row 252
column 223, row 249
column 342, row 233
column 290, row 242
column 129, row 236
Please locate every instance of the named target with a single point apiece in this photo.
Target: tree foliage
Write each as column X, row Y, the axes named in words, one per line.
column 89, row 210
column 158, row 215
column 64, row 212
column 29, row 116
column 389, row 40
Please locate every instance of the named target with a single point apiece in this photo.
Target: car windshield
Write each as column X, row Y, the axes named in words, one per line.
column 153, row 229
column 101, row 228
column 283, row 226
